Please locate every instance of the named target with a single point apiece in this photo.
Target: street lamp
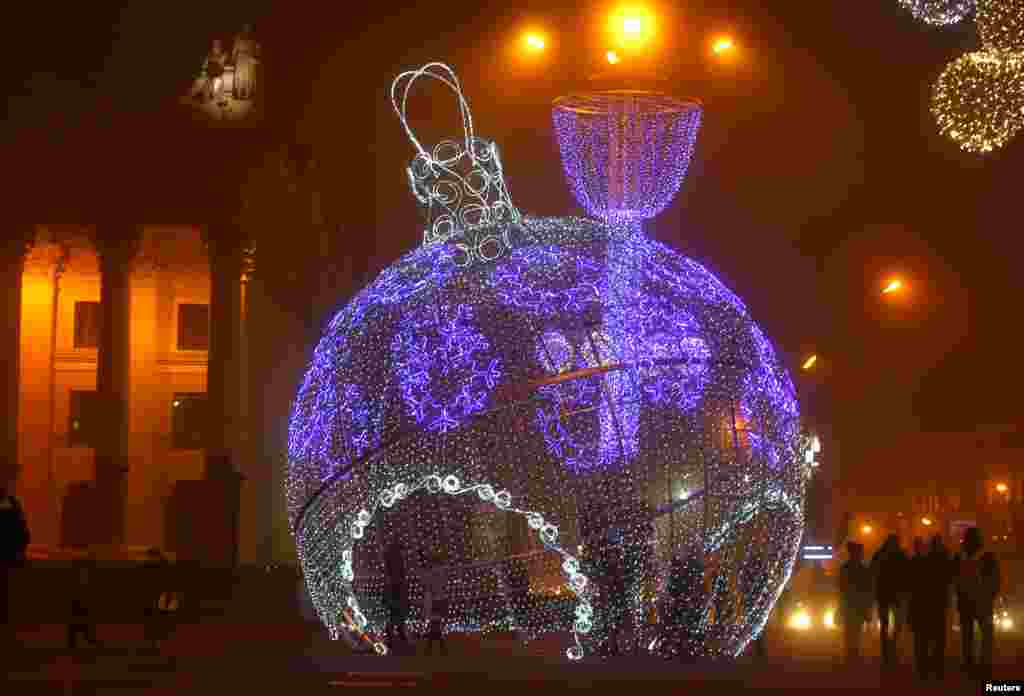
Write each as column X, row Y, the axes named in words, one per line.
column 632, row 27
column 867, row 529
column 926, row 521
column 809, row 362
column 1002, row 487
column 894, row 285
column 723, row 45
column 535, row 43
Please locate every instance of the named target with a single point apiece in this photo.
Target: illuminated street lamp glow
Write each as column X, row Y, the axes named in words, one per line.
column 1002, row 487
column 722, row 45
column 926, row 521
column 809, row 363
column 613, row 57
column 867, row 529
column 893, row 286
column 631, row 27
column 801, row 620
column 535, row 42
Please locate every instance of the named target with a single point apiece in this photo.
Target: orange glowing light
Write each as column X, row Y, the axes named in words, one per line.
column 926, row 521
column 631, row 27
column 809, row 363
column 534, row 42
column 722, row 45
column 613, row 57
column 894, row 285
column 1002, row 487
column 867, row 529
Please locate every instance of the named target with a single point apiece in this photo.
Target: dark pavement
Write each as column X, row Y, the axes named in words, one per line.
column 289, row 658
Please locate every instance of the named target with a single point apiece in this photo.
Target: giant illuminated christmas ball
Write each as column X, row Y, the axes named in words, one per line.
column 566, row 414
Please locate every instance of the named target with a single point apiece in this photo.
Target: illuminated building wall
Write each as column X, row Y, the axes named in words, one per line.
column 170, row 269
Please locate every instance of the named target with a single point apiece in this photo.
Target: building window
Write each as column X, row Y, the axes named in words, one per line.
column 188, row 416
column 193, row 327
column 86, row 416
column 87, row 324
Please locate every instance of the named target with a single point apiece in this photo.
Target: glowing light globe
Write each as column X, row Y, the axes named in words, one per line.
column 978, row 100
column 939, row 12
column 572, row 418
column 1001, row 25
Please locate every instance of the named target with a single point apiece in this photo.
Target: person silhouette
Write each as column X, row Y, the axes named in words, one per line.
column 977, row 584
column 14, row 540
column 933, row 578
column 855, row 594
column 435, row 603
column 396, row 596
column 889, row 566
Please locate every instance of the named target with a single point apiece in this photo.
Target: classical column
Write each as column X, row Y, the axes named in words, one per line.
column 226, row 247
column 13, row 246
column 116, row 246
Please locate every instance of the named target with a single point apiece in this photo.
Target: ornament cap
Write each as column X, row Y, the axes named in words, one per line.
column 460, row 183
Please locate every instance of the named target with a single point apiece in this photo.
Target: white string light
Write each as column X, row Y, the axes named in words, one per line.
column 939, row 12
column 461, row 186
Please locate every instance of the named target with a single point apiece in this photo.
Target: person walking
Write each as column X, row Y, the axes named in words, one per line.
column 753, row 578
column 616, row 602
column 82, row 596
column 671, row 612
column 694, row 598
column 977, row 584
column 915, row 609
column 396, row 596
column 435, row 604
column 889, row 567
column 932, row 578
column 165, row 602
column 14, row 540
column 855, row 594
column 635, row 557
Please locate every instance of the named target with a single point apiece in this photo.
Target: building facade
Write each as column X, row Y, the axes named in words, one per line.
column 158, row 361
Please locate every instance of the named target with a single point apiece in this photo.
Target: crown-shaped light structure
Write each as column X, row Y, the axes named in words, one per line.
column 625, row 152
column 459, row 184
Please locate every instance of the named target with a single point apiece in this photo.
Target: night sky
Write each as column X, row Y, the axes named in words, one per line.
column 818, row 169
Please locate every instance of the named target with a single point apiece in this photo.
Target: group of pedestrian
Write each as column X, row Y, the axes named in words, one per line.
column 916, row 591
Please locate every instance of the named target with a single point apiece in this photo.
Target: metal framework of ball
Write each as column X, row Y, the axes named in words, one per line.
column 584, row 427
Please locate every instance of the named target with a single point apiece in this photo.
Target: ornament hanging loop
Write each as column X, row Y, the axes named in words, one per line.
column 460, row 186
column 445, row 75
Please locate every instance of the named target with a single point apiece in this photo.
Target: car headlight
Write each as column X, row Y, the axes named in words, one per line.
column 800, row 620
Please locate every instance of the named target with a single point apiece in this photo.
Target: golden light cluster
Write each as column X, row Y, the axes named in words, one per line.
column 978, row 100
column 631, row 27
column 1001, row 24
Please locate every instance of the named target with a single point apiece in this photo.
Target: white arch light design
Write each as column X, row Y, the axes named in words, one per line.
column 353, row 530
